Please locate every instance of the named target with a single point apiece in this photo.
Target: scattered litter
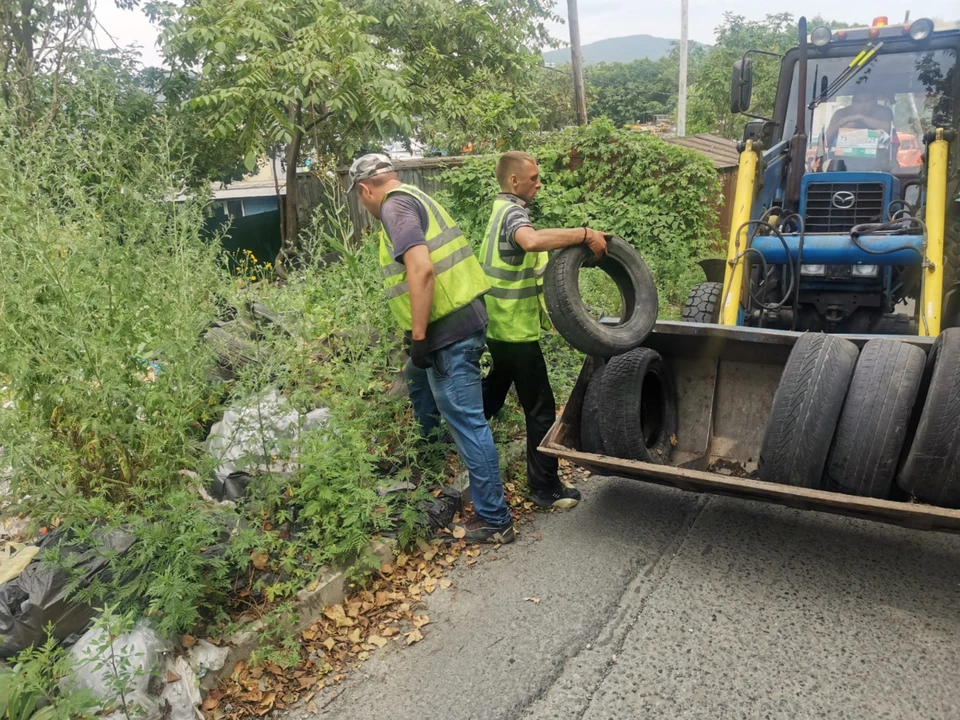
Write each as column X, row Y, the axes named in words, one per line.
column 247, row 441
column 439, row 512
column 140, row 649
column 37, row 596
column 182, row 691
column 534, row 600
column 205, row 657
column 14, row 558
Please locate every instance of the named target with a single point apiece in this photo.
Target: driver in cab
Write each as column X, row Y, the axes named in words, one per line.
column 865, row 112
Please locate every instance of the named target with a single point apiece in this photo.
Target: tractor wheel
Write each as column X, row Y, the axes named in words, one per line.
column 703, row 303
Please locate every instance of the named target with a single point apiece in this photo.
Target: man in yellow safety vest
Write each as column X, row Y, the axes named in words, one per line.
column 435, row 289
column 514, row 256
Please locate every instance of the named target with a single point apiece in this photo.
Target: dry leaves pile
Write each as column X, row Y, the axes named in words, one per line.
column 388, row 611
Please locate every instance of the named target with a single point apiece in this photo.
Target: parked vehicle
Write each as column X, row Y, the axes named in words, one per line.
column 819, row 365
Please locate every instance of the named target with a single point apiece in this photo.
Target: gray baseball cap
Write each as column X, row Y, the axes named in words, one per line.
column 366, row 167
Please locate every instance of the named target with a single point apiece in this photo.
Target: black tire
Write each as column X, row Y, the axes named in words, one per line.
column 931, row 472
column 703, row 303
column 572, row 319
column 591, row 441
column 805, row 410
column 876, row 414
column 638, row 407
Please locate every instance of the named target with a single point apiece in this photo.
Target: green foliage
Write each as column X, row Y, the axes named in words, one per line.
column 276, row 71
column 33, row 681
column 105, row 277
column 633, row 92
column 658, row 197
column 709, row 102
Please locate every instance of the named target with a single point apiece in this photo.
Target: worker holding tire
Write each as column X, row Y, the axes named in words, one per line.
column 514, row 256
column 434, row 288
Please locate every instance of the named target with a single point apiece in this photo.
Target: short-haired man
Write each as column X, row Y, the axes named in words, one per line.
column 514, row 256
column 434, row 287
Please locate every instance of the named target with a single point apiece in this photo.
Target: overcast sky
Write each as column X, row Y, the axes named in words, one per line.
column 600, row 19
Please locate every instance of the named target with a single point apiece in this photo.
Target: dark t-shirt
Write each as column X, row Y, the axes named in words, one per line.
column 405, row 221
column 517, row 217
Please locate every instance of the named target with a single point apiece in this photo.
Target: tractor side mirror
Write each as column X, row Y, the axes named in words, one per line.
column 741, row 86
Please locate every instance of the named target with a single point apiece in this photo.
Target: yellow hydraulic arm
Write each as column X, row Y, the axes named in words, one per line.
column 935, row 218
column 742, row 208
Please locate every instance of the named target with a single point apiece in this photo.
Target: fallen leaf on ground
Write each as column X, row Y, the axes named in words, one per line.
column 444, row 584
column 259, row 559
column 210, row 703
column 459, row 531
column 377, row 640
column 188, row 641
column 172, row 677
column 415, row 636
column 420, row 620
column 329, row 643
column 534, row 600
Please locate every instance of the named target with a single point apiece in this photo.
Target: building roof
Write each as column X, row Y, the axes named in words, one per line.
column 721, row 151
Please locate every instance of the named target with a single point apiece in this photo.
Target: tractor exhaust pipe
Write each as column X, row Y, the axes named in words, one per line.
column 798, row 145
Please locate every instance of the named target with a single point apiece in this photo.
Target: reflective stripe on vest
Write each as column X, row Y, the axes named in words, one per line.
column 515, row 301
column 458, row 277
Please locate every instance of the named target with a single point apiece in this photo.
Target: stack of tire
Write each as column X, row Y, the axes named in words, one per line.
column 883, row 422
column 630, row 406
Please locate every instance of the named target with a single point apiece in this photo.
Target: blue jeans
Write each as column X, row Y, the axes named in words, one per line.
column 452, row 389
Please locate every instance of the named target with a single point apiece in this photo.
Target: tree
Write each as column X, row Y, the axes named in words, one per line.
column 469, row 65
column 551, row 97
column 38, row 41
column 709, row 106
column 273, row 72
column 631, row 92
column 333, row 76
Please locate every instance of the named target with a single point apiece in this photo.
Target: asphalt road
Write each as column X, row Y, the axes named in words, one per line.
column 660, row 604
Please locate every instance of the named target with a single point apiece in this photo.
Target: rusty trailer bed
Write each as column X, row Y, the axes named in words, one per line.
column 726, row 378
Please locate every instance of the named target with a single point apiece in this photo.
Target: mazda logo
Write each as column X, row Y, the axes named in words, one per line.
column 844, row 200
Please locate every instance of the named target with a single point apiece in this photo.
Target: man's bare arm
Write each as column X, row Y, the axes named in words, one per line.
column 420, row 281
column 555, row 238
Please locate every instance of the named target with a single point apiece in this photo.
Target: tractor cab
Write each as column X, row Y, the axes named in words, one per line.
column 846, row 207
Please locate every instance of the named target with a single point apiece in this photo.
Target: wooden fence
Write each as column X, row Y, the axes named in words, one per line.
column 423, row 172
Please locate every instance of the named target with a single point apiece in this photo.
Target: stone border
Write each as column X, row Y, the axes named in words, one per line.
column 330, row 586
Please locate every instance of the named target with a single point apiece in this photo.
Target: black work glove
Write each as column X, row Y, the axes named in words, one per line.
column 419, row 355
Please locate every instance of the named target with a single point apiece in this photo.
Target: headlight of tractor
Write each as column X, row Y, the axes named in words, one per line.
column 814, row 270
column 865, row 271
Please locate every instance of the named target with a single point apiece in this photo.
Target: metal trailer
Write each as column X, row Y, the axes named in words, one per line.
column 726, row 378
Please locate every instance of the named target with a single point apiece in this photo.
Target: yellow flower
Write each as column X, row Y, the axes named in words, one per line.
column 253, row 277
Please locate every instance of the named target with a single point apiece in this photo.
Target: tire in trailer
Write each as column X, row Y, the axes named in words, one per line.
column 805, row 410
column 638, row 407
column 876, row 414
column 931, row 471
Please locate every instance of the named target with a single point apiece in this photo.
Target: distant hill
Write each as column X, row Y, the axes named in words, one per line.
column 622, row 49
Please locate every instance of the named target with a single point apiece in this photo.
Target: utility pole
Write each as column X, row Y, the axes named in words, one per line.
column 576, row 59
column 682, row 92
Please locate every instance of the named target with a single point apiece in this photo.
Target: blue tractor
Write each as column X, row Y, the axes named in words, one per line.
column 846, row 211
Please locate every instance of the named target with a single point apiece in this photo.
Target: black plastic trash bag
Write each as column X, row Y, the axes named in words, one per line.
column 37, row 596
